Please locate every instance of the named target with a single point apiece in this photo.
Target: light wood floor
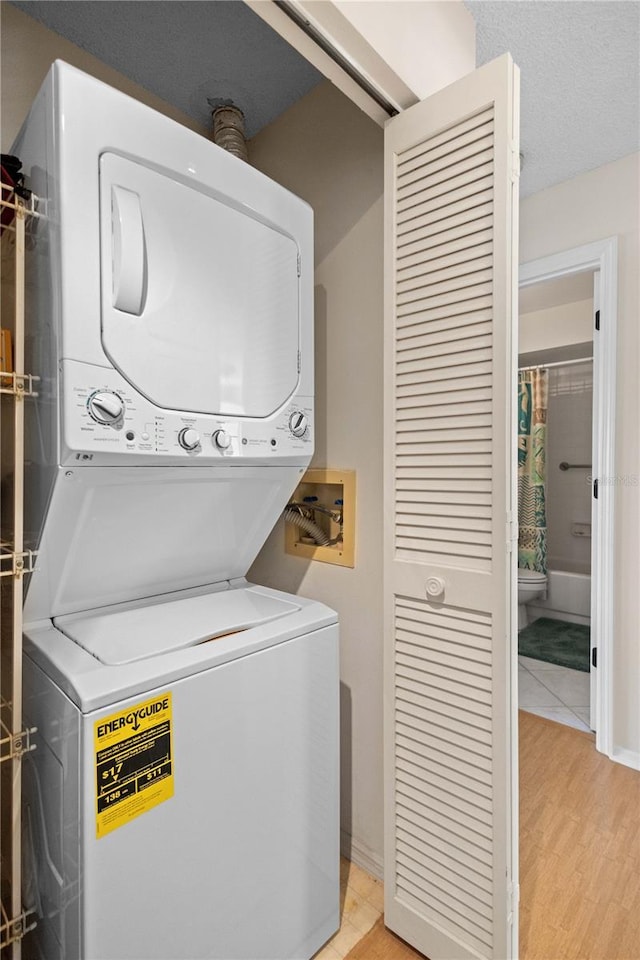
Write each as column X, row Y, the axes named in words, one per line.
column 361, row 905
column 579, row 857
column 381, row 944
column 579, row 848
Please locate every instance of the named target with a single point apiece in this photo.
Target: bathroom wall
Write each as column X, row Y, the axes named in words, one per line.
column 568, row 501
column 548, row 335
column 602, row 203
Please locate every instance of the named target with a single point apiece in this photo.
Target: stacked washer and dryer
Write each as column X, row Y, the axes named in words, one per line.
column 182, row 801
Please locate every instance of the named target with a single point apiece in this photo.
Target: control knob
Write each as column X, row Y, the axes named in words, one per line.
column 188, row 438
column 105, row 406
column 222, row 439
column 298, row 423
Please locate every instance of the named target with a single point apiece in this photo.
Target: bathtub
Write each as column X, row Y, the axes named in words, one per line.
column 568, row 597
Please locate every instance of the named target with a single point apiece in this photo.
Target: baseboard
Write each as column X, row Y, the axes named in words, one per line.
column 361, row 855
column 630, row 758
column 536, row 610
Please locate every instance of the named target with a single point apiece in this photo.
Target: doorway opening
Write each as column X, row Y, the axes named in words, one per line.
column 568, row 328
column 555, row 364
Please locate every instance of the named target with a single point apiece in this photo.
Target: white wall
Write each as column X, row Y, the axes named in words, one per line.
column 327, row 151
column 428, row 44
column 407, row 49
column 602, row 203
column 555, row 327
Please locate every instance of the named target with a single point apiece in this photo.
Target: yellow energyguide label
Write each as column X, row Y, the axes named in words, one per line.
column 134, row 762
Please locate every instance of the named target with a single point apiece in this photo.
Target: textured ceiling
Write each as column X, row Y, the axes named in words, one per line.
column 187, row 52
column 580, row 80
column 579, row 62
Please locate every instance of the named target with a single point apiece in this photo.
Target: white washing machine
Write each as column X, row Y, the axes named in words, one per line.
column 182, row 802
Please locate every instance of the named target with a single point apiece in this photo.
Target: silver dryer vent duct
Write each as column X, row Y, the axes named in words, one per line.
column 228, row 130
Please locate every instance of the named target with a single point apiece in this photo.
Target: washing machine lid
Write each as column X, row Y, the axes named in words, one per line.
column 125, row 636
column 200, row 296
column 120, row 534
column 531, row 576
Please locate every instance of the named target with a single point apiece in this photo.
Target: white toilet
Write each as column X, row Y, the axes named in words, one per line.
column 531, row 586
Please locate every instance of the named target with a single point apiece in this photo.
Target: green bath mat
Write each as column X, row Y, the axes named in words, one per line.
column 556, row 641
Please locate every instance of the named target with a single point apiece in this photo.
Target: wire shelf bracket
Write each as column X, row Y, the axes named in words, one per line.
column 18, row 384
column 13, row 745
column 14, row 564
column 13, row 930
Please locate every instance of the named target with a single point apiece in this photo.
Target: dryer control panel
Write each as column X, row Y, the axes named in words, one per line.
column 106, row 421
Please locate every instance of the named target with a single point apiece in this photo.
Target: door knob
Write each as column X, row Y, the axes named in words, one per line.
column 435, row 586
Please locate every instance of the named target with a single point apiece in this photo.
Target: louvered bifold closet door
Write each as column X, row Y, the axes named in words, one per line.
column 451, row 206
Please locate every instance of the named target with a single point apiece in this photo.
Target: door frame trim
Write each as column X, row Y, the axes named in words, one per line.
column 600, row 256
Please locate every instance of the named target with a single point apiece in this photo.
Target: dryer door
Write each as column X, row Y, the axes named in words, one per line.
column 200, row 299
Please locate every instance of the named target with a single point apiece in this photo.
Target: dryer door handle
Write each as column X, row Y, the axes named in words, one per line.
column 129, row 252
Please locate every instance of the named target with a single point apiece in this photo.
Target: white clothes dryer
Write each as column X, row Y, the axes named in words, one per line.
column 182, row 802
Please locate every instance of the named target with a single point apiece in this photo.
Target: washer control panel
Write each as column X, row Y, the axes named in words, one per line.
column 104, row 416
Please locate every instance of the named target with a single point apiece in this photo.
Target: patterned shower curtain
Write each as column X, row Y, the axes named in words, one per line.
column 533, row 390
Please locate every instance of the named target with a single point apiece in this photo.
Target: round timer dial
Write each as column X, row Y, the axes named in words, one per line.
column 105, row 406
column 188, row 438
column 298, row 423
column 222, row 439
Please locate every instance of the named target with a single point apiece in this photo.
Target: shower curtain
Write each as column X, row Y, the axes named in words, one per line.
column 533, row 389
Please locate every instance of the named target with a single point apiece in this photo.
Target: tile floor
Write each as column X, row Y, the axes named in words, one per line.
column 361, row 903
column 556, row 693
